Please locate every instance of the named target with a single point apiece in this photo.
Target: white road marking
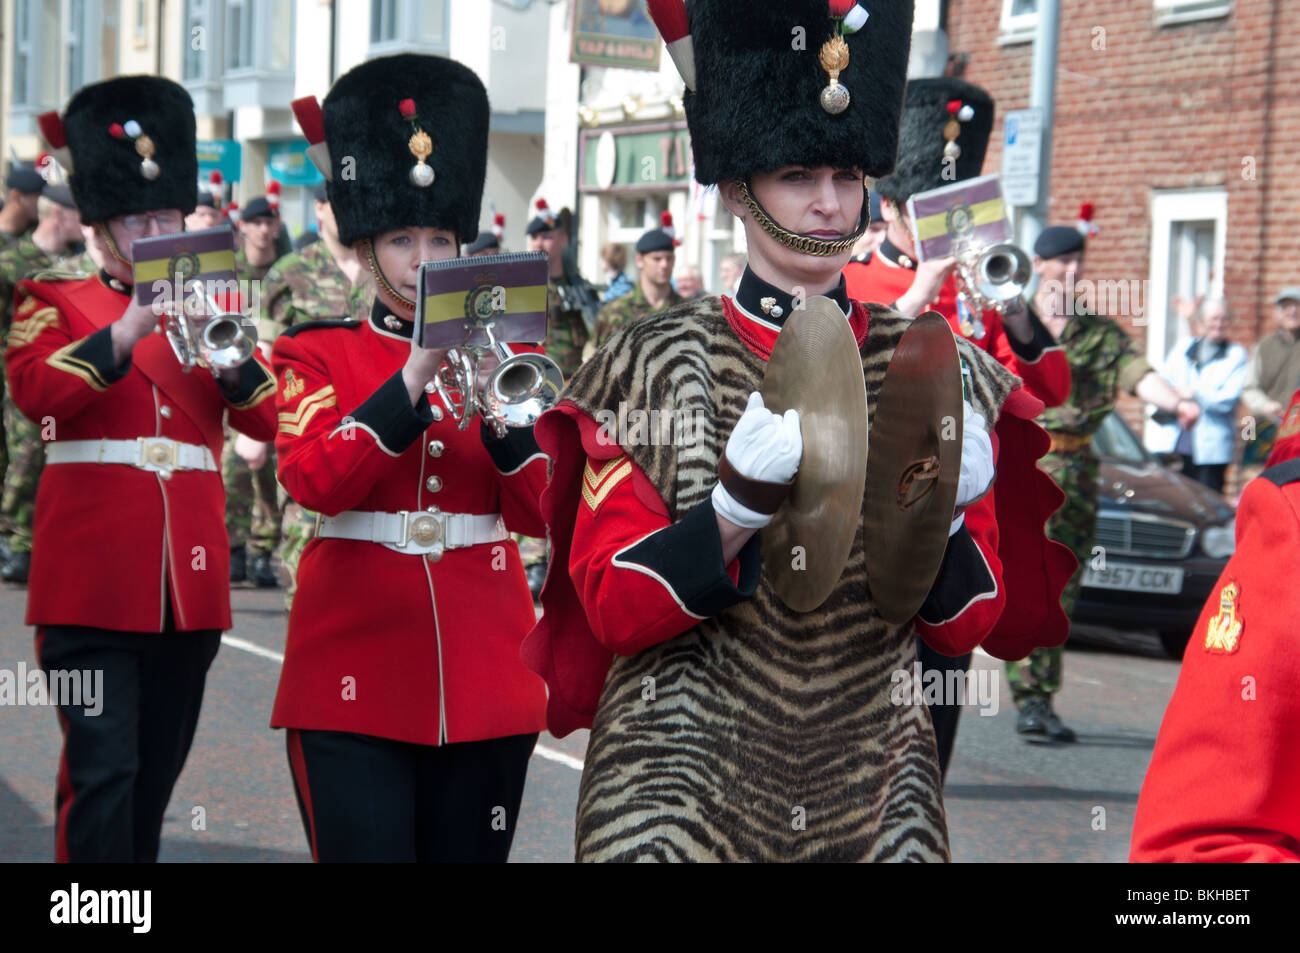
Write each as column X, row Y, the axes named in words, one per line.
column 569, row 761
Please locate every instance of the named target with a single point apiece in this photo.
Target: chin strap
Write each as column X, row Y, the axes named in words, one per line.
column 102, row 228
column 368, row 247
column 805, row 243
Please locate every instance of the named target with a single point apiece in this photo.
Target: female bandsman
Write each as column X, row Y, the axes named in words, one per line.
column 410, row 717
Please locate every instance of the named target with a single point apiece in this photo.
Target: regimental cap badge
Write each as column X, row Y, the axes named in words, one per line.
column 848, row 17
column 1223, row 633
column 144, row 147
column 420, row 144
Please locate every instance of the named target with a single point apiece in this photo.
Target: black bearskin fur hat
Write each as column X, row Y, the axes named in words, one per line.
column 371, row 159
column 921, row 142
column 108, row 178
column 756, row 105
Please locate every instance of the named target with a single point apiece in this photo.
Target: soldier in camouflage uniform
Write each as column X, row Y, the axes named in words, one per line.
column 653, row 291
column 18, row 217
column 571, row 307
column 310, row 285
column 1103, row 360
column 252, row 504
column 53, row 246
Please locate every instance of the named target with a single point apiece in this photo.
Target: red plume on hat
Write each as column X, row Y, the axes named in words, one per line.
column 309, row 115
column 666, row 226
column 1085, row 224
column 670, row 19
column 499, row 225
column 273, row 195
column 544, row 211
column 52, row 132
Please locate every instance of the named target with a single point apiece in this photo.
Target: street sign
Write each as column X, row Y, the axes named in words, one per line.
column 1022, row 140
column 224, row 155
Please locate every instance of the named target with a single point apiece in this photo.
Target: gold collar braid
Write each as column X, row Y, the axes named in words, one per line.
column 380, row 280
column 804, row 243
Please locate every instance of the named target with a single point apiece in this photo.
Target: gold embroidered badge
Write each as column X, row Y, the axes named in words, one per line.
column 1290, row 426
column 1223, row 634
column 598, row 484
column 293, row 386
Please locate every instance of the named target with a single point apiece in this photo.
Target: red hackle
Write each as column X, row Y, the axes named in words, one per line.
column 308, row 113
column 670, row 18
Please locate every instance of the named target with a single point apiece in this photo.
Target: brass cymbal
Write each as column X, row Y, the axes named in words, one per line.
column 913, row 468
column 816, row 369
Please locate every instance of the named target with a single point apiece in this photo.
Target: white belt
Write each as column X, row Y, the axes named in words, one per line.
column 156, row 454
column 418, row 533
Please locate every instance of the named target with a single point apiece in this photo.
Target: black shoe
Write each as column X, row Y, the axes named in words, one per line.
column 259, row 570
column 238, row 565
column 16, row 567
column 536, row 574
column 1032, row 719
column 1057, row 731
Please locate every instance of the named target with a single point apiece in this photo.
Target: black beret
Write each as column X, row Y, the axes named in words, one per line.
column 654, row 240
column 61, row 194
column 25, row 179
column 1058, row 240
column 309, row 237
column 484, row 241
column 205, row 199
column 257, row 207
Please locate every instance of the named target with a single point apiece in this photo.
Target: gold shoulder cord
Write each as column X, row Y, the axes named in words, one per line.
column 804, row 243
column 379, row 276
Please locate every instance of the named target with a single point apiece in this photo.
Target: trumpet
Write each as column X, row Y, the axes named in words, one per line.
column 991, row 278
column 203, row 334
column 514, row 391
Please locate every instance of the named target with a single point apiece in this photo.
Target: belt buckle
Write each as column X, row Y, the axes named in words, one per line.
column 158, row 453
column 425, row 529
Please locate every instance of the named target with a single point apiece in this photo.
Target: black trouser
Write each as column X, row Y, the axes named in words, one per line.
column 944, row 716
column 1206, row 474
column 373, row 799
column 118, row 767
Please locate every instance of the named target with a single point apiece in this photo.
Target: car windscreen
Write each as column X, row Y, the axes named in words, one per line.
column 1114, row 439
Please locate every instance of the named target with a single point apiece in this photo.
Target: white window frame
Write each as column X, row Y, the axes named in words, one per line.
column 1171, row 12
column 406, row 33
column 1168, row 208
column 1018, row 28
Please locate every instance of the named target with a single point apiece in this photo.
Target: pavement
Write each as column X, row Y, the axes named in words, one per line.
column 1007, row 800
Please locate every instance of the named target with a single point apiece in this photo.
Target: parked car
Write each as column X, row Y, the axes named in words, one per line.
column 1162, row 541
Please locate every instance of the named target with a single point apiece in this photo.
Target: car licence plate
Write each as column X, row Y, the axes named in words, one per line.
column 1134, row 577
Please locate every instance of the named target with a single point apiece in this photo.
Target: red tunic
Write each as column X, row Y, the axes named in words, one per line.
column 110, row 540
column 635, row 579
column 1224, row 781
column 386, row 643
column 1041, row 365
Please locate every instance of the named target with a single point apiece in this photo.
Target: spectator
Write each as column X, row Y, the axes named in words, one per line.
column 690, row 283
column 729, row 272
column 206, row 214
column 1211, row 371
column 614, row 259
column 1274, row 369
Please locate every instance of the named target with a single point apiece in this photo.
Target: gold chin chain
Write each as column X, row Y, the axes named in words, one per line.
column 803, row 243
column 112, row 245
column 381, row 280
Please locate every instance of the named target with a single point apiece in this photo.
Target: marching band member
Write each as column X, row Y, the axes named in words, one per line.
column 411, row 718
column 130, row 560
column 725, row 725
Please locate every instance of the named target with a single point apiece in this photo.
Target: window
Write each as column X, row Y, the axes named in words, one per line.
column 141, row 18
column 1188, row 239
column 37, row 42
column 108, row 38
column 1019, row 19
column 1181, row 11
column 280, row 37
column 383, row 21
column 195, row 49
column 22, row 50
column 239, row 33
column 419, row 24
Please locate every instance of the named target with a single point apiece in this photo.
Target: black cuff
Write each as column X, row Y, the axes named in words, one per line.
column 511, row 452
column 390, row 416
column 1030, row 351
column 91, row 359
column 255, row 384
column 687, row 556
column 963, row 577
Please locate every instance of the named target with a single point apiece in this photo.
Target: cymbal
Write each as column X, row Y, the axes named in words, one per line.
column 816, row 369
column 913, row 469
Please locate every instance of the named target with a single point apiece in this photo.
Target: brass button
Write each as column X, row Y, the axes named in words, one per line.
column 429, row 388
column 160, row 454
column 165, row 411
column 437, row 412
column 434, row 484
column 424, row 530
column 436, row 447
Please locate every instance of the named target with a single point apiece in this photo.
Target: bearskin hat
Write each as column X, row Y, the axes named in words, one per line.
column 928, row 107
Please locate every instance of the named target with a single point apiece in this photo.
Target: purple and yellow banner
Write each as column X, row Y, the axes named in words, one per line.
column 463, row 296
column 971, row 212
column 207, row 256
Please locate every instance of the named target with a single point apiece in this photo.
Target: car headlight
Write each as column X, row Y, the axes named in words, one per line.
column 1220, row 542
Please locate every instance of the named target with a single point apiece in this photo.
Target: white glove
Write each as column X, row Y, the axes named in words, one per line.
column 763, row 446
column 977, row 469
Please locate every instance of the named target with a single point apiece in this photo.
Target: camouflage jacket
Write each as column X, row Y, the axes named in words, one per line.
column 247, row 272
column 308, row 286
column 626, row 309
column 9, row 239
column 1103, row 360
column 566, row 333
